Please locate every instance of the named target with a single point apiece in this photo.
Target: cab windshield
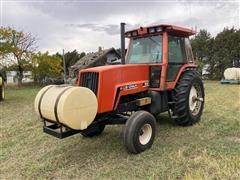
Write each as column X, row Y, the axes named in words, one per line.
column 145, row 50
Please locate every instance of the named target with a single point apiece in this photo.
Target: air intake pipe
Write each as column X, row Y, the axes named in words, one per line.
column 122, row 30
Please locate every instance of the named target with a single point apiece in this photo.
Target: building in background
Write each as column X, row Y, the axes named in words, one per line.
column 99, row 58
column 12, row 77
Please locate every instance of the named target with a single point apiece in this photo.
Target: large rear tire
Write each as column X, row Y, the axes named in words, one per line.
column 139, row 132
column 189, row 98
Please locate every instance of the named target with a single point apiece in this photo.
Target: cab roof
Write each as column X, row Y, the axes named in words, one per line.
column 171, row 29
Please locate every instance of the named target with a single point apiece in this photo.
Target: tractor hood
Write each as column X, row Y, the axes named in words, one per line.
column 112, row 79
column 114, row 67
column 116, row 75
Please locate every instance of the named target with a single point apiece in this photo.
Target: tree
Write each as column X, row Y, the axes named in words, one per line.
column 201, row 46
column 26, row 65
column 71, row 58
column 46, row 66
column 227, row 51
column 18, row 46
column 217, row 53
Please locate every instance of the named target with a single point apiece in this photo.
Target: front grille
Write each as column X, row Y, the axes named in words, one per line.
column 90, row 80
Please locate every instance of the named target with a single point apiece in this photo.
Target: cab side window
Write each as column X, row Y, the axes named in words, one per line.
column 176, row 49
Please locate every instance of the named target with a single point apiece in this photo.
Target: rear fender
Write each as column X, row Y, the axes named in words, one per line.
column 185, row 67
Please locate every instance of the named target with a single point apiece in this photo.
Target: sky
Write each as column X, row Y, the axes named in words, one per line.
column 85, row 25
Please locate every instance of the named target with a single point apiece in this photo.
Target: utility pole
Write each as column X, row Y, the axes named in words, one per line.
column 64, row 69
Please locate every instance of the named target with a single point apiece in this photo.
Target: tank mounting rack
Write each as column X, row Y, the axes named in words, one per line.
column 225, row 81
column 57, row 130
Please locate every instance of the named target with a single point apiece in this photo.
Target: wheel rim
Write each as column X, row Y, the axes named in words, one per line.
column 195, row 100
column 145, row 134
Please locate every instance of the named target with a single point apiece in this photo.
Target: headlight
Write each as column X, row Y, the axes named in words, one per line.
column 152, row 30
column 159, row 29
column 128, row 35
column 134, row 33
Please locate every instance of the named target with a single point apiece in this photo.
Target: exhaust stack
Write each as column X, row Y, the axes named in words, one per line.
column 122, row 25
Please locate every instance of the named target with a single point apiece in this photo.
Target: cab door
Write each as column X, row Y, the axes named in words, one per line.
column 176, row 56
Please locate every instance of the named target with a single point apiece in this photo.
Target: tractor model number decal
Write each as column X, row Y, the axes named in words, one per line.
column 128, row 87
column 133, row 86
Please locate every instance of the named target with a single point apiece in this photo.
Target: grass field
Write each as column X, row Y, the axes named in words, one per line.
column 207, row 150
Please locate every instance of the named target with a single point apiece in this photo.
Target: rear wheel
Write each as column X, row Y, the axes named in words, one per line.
column 93, row 130
column 139, row 132
column 189, row 98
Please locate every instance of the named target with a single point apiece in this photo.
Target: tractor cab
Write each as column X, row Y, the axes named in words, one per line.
column 166, row 46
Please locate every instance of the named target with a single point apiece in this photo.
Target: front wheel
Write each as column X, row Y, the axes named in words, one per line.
column 139, row 132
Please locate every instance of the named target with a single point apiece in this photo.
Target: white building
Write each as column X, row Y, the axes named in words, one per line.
column 12, row 77
column 205, row 71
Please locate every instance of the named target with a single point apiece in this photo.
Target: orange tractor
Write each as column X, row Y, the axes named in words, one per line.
column 157, row 75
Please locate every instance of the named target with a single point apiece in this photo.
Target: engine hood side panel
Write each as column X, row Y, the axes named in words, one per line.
column 115, row 77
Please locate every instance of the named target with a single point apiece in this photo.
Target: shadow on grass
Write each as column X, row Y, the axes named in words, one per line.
column 107, row 145
column 164, row 119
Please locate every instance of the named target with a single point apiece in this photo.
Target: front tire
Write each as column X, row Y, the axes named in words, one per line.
column 189, row 99
column 139, row 132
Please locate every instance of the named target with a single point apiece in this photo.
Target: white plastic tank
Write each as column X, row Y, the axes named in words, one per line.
column 74, row 107
column 232, row 74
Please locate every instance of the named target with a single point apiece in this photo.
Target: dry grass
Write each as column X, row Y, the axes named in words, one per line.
column 210, row 149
